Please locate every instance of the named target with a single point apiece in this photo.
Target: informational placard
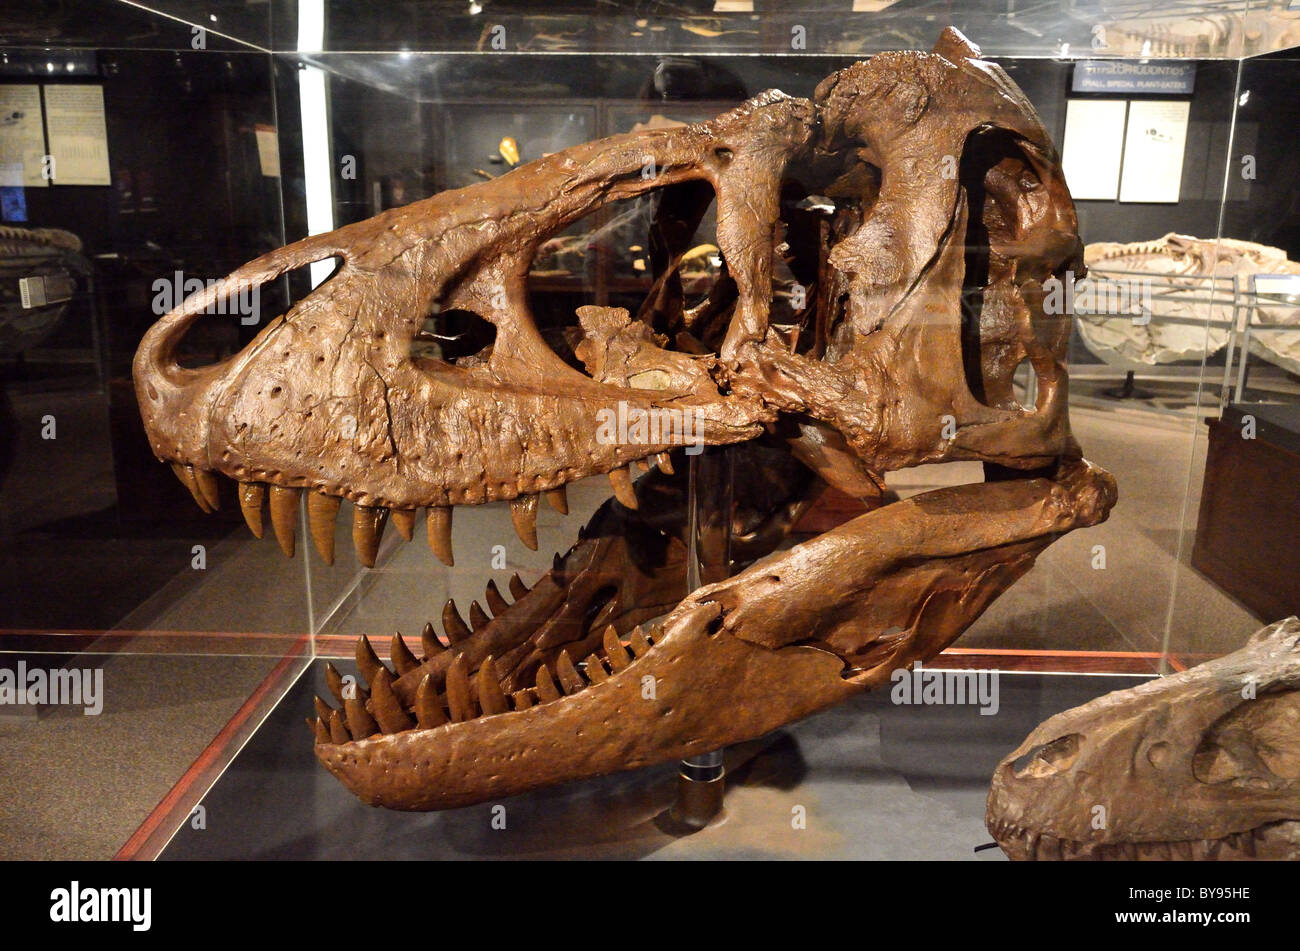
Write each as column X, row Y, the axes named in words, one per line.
column 1093, row 146
column 74, row 118
column 1114, row 76
column 268, row 150
column 22, row 137
column 1153, row 151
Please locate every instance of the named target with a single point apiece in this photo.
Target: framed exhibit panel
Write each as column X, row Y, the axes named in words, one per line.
column 215, row 489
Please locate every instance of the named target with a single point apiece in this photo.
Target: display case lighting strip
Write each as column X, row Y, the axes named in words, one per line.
column 314, row 104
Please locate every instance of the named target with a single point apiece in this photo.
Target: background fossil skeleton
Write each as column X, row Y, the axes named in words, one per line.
column 948, row 210
column 1204, row 764
column 1189, row 281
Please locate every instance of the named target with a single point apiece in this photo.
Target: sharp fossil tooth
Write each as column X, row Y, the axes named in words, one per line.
column 517, row 588
column 186, row 475
column 387, row 708
column 334, row 680
column 209, row 488
column 665, row 462
column 523, row 513
column 615, row 653
column 495, row 602
column 360, row 723
column 570, row 679
column 546, row 689
column 558, row 499
column 459, row 704
column 523, row 699
column 428, row 708
column 367, row 529
column 490, row 696
column 338, row 729
column 401, row 655
column 621, row 480
column 323, row 709
column 251, row 496
column 637, row 640
column 319, row 730
column 429, row 640
column 455, row 628
column 284, row 516
column 404, row 519
column 643, row 465
column 438, row 523
column 367, row 660
column 478, row 618
column 322, row 510
column 596, row 671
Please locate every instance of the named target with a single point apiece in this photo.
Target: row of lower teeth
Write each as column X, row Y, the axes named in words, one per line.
column 467, row 695
column 368, row 522
column 1040, row 846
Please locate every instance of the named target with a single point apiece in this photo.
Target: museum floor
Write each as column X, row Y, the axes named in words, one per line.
column 76, row 787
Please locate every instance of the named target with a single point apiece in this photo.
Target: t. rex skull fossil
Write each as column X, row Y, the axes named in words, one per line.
column 949, row 211
column 1204, row 764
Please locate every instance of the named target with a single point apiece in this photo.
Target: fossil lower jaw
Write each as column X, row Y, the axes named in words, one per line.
column 730, row 662
column 1274, row 840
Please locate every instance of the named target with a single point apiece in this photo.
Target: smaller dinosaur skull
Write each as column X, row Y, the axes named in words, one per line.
column 1204, row 764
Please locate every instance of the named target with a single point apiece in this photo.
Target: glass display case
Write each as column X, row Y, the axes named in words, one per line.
column 148, row 150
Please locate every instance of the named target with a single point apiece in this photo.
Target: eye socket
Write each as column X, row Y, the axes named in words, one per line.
column 1049, row 758
column 1257, row 743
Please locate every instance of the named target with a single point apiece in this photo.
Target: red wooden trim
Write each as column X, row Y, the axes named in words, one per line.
column 149, row 839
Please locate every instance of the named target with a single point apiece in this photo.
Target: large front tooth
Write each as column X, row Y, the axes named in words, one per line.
column 517, row 588
column 323, row 709
column 596, row 671
column 452, row 624
column 319, row 730
column 621, row 480
column 360, row 723
column 558, row 499
column 459, row 703
column 478, row 618
column 334, row 680
column 404, row 519
column 186, row 475
column 523, row 513
column 490, row 696
column 401, row 655
column 284, row 516
column 338, row 729
column 638, row 642
column 570, row 679
column 495, row 602
column 387, row 708
column 438, row 523
column 665, row 462
column 546, row 689
column 322, row 510
column 428, row 708
column 209, row 487
column 251, row 496
column 367, row 660
column 367, row 531
column 615, row 652
column 429, row 640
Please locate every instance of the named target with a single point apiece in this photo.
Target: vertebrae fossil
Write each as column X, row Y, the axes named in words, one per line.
column 940, row 210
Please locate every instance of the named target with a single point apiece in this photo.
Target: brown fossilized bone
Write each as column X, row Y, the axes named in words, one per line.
column 1203, row 764
column 939, row 211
